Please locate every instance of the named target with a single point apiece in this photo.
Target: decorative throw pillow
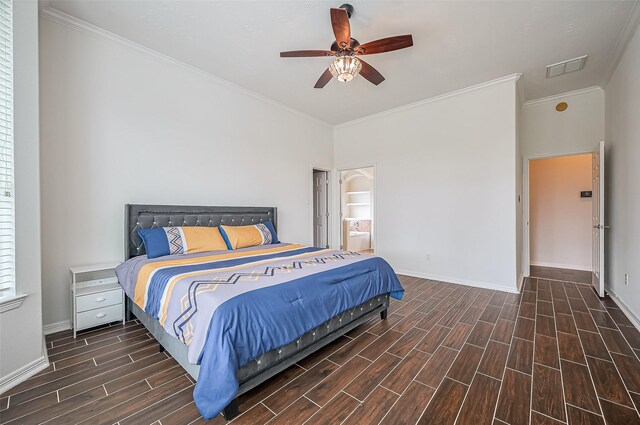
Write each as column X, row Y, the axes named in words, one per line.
column 251, row 235
column 161, row 241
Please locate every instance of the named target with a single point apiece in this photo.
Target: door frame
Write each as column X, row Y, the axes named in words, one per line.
column 374, row 194
column 313, row 168
column 526, row 241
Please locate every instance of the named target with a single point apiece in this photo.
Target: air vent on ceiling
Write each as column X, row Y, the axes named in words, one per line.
column 564, row 67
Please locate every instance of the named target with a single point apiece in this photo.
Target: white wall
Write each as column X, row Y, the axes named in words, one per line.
column 445, row 184
column 560, row 219
column 545, row 132
column 622, row 171
column 23, row 325
column 120, row 126
column 578, row 129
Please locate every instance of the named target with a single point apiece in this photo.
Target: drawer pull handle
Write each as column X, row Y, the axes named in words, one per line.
column 100, row 299
column 99, row 315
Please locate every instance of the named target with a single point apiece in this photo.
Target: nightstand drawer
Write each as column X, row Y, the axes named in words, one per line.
column 88, row 319
column 98, row 300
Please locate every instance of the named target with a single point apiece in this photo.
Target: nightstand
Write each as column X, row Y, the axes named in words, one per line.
column 96, row 296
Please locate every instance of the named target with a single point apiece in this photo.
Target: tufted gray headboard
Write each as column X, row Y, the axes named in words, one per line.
column 147, row 216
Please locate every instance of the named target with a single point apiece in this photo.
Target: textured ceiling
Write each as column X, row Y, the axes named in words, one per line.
column 456, row 44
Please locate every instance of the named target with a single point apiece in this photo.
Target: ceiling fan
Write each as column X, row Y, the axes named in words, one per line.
column 348, row 50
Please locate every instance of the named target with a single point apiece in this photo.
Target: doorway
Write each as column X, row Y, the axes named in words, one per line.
column 357, row 229
column 320, row 208
column 560, row 217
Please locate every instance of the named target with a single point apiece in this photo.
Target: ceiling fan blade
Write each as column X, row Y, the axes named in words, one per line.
column 306, row 53
column 324, row 79
column 370, row 73
column 341, row 27
column 385, row 45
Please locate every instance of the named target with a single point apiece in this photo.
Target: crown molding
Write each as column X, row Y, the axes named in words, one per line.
column 512, row 77
column 627, row 32
column 561, row 96
column 72, row 22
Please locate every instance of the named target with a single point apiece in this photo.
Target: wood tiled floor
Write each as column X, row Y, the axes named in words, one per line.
column 447, row 354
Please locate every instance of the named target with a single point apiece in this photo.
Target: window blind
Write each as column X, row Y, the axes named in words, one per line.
column 7, row 204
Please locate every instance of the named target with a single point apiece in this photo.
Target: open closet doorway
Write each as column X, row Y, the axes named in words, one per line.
column 560, row 217
column 357, row 210
column 320, row 208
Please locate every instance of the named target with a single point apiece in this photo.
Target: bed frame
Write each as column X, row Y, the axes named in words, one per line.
column 269, row 364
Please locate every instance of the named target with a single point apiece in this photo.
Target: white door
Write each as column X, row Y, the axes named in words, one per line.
column 598, row 217
column 320, row 209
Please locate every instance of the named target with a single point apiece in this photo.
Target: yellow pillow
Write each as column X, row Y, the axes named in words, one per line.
column 203, row 239
column 251, row 235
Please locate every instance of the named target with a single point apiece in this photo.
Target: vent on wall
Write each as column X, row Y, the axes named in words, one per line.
column 564, row 67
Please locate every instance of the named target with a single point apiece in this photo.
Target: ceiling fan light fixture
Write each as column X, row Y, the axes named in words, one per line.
column 345, row 68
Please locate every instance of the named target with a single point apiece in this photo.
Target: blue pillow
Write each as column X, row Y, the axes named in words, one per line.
column 161, row 241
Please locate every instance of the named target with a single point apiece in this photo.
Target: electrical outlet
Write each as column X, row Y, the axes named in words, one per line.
column 626, row 279
column 428, row 257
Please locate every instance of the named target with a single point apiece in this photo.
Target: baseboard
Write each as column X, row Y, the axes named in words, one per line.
column 458, row 281
column 626, row 310
column 56, row 327
column 24, row 373
column 520, row 283
column 562, row 266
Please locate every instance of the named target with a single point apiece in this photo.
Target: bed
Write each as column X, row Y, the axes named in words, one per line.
column 233, row 319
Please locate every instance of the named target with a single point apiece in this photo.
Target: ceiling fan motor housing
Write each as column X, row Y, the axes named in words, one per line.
column 348, row 8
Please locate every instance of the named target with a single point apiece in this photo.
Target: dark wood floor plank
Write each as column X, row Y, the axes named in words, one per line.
column 325, row 390
column 503, row 331
column 336, row 411
column 28, row 407
column 509, row 312
column 525, row 329
column 632, row 335
column 564, row 323
column 63, row 407
column 521, row 355
column 67, row 380
column 259, row 393
column 494, row 359
column 464, row 366
column 279, row 400
column 628, row 366
column 514, row 400
column 344, row 353
column 362, row 386
column 547, row 395
column 374, row 407
column 184, row 415
column 593, row 345
column 400, row 378
column 570, row 348
column 480, row 334
column 433, row 339
column 584, row 321
column 51, row 377
column 546, row 351
column 578, row 387
column 546, row 325
column 161, row 408
column 96, row 407
column 603, row 319
column 446, row 403
column 406, row 343
column 616, row 414
column 527, row 310
column 138, row 367
column 437, row 367
column 615, row 342
column 409, row 322
column 480, row 402
column 608, row 383
column 409, row 406
column 138, row 403
column 297, row 413
column 619, row 317
column 258, row 414
column 561, row 306
column 458, row 335
column 582, row 417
